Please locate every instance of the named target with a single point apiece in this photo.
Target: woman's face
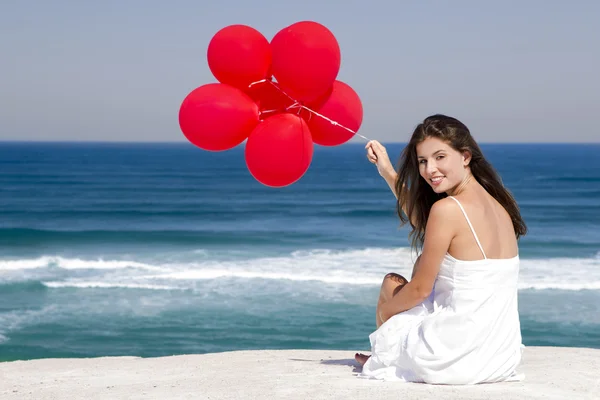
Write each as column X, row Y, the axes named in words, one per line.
column 440, row 165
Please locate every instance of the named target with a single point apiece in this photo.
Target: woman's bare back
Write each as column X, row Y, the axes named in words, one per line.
column 491, row 223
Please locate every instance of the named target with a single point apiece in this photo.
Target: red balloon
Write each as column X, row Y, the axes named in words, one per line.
column 269, row 98
column 239, row 55
column 342, row 106
column 217, row 117
column 279, row 150
column 306, row 60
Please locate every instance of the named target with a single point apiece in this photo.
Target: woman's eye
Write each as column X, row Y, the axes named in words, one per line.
column 422, row 161
column 439, row 157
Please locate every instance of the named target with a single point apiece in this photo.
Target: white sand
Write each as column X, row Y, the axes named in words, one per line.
column 551, row 373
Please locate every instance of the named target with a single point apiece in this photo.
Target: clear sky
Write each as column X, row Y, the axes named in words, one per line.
column 513, row 71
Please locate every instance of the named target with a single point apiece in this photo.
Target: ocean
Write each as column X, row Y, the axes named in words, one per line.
column 161, row 249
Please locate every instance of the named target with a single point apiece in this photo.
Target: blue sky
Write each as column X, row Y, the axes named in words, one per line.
column 513, row 71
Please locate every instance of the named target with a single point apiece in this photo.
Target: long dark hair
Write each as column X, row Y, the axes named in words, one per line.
column 416, row 197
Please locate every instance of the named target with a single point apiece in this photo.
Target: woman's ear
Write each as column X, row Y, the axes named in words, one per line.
column 466, row 157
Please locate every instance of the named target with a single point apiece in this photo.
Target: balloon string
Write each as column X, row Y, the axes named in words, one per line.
column 257, row 82
column 300, row 106
column 269, row 111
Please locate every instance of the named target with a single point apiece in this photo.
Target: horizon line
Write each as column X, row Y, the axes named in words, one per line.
column 182, row 142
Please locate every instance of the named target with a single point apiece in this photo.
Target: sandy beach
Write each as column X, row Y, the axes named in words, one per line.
column 550, row 373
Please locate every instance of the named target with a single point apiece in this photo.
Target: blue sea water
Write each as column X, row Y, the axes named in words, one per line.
column 161, row 249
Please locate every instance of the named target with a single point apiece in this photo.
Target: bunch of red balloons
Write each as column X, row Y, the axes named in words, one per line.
column 281, row 118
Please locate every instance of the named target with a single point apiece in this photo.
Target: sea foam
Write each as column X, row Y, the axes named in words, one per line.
column 365, row 267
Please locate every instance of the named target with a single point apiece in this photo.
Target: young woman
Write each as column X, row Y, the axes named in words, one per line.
column 456, row 321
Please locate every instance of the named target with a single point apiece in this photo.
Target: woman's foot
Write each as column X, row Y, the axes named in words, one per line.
column 361, row 358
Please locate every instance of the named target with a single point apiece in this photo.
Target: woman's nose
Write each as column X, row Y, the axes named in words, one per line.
column 431, row 168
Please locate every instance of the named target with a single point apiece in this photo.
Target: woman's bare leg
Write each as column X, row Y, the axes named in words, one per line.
column 391, row 285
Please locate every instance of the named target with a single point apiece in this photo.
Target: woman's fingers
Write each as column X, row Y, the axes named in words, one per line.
column 371, row 155
column 378, row 146
column 375, row 151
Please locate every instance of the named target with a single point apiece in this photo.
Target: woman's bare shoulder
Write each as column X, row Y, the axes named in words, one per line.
column 446, row 207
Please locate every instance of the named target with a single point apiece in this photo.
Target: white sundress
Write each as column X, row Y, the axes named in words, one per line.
column 466, row 332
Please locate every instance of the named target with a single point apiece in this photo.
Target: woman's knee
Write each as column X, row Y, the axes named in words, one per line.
column 392, row 283
column 394, row 278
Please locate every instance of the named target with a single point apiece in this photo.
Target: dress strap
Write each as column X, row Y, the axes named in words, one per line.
column 470, row 226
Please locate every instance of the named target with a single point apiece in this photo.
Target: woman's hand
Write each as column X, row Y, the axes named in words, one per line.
column 377, row 155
